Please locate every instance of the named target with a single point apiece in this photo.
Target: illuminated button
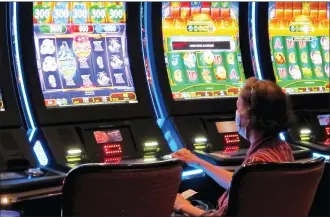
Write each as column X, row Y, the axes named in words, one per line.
column 200, row 93
column 209, row 93
column 74, row 151
column 131, row 96
column 77, row 100
column 305, row 131
column 151, row 144
column 86, row 100
column 50, row 102
column 98, row 99
column 233, row 91
column 117, row 97
column 200, row 139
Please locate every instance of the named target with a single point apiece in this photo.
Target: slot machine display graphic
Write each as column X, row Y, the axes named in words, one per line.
column 202, row 53
column 299, row 42
column 2, row 107
column 82, row 53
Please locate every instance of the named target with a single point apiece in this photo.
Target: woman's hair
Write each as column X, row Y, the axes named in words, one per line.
column 269, row 107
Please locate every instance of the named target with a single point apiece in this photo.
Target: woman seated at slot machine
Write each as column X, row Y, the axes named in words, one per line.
column 262, row 112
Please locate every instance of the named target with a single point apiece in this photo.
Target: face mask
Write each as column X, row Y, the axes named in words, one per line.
column 240, row 130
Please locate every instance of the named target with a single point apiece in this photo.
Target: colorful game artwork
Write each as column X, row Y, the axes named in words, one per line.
column 202, row 51
column 299, row 42
column 2, row 107
column 82, row 53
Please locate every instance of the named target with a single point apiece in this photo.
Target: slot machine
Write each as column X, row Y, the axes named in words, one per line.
column 84, row 83
column 198, row 59
column 21, row 177
column 295, row 54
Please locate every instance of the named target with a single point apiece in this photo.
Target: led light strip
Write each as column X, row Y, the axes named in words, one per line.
column 254, row 38
column 188, row 173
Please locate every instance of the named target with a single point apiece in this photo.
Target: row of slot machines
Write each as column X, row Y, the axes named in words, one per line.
column 106, row 82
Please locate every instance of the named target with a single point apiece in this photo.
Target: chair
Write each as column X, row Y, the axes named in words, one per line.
column 321, row 203
column 275, row 189
column 137, row 189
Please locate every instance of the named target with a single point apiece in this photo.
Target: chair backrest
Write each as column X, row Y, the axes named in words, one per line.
column 321, row 203
column 275, row 189
column 122, row 190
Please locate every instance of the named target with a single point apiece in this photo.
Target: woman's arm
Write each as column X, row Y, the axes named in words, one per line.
column 221, row 176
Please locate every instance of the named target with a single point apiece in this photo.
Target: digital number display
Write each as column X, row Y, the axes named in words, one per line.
column 82, row 53
column 299, row 42
column 202, row 51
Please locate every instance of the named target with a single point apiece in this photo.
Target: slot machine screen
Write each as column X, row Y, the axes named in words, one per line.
column 2, row 107
column 81, row 52
column 226, row 127
column 299, row 42
column 202, row 51
column 324, row 120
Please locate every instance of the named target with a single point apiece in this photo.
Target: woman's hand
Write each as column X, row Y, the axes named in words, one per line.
column 187, row 157
column 180, row 203
column 185, row 207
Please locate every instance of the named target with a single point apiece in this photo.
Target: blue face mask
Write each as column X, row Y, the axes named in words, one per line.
column 240, row 129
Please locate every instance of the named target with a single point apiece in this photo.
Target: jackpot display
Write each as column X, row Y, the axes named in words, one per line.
column 82, row 53
column 2, row 107
column 202, row 52
column 299, row 42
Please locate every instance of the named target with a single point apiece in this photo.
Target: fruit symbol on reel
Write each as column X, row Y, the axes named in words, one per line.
column 295, row 72
column 316, row 57
column 221, row 73
column 327, row 70
column 318, row 71
column 189, row 59
column 206, row 74
column 303, row 57
column 208, row 57
column 178, row 75
column 307, row 72
column 292, row 57
column 279, row 58
column 325, row 43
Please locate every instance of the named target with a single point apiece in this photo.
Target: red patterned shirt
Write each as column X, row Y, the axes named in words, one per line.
column 268, row 149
